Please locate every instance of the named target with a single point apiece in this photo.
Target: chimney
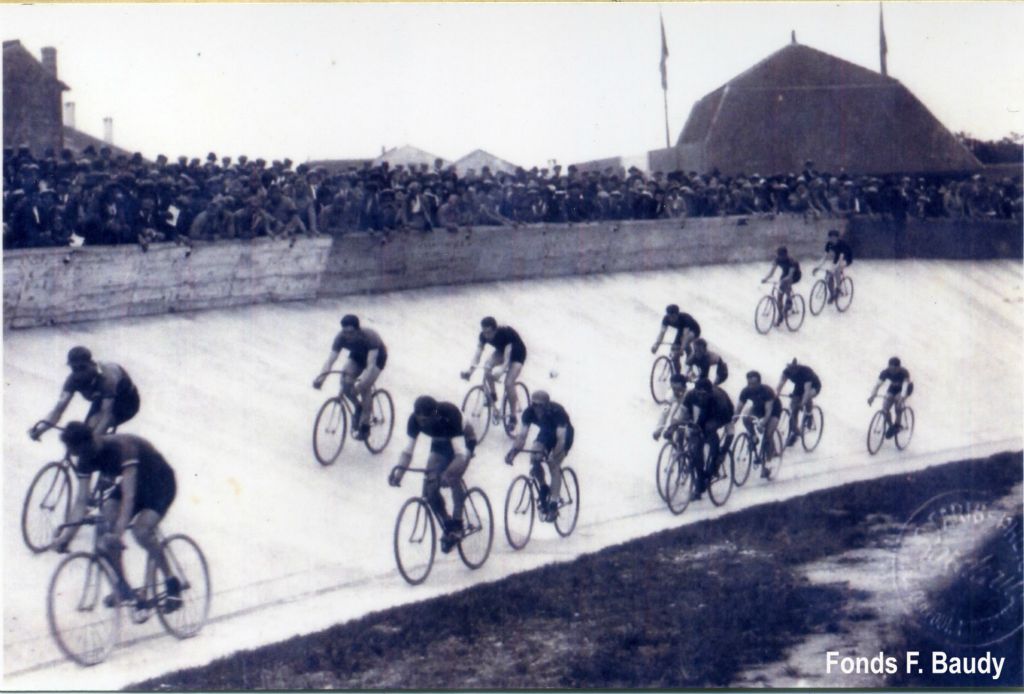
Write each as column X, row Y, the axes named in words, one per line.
column 69, row 114
column 108, row 130
column 50, row 60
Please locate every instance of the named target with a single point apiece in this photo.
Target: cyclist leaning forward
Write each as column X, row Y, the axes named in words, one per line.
column 451, row 447
column 806, row 387
column 367, row 356
column 767, row 408
column 899, row 379
column 791, row 274
column 509, row 349
column 699, row 363
column 838, row 256
column 710, row 409
column 554, row 438
column 144, row 492
column 687, row 330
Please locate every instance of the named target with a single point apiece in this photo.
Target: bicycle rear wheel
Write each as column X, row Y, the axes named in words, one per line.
column 188, row 564
column 568, row 503
column 84, row 628
column 522, row 402
column 664, row 461
column 382, row 421
column 906, row 430
column 478, row 529
column 816, row 301
column 661, row 373
column 679, row 483
column 876, row 432
column 813, row 427
column 477, row 411
column 795, row 315
column 720, row 483
column 415, row 541
column 764, row 315
column 329, row 431
column 742, row 459
column 47, row 504
column 844, row 294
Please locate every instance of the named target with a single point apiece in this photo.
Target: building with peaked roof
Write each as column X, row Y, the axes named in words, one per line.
column 802, row 104
column 478, row 159
column 33, row 113
column 407, row 155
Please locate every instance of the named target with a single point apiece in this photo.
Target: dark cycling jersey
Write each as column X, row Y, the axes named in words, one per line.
column 681, row 321
column 553, row 418
column 360, row 345
column 110, row 381
column 503, row 337
column 155, row 485
column 787, row 264
column 716, row 409
column 442, row 428
column 762, row 397
column 703, row 365
column 840, row 248
column 896, row 376
column 801, row 375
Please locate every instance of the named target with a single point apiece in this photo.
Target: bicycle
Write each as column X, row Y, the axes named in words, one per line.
column 748, row 452
column 83, row 607
column 880, row 423
column 415, row 539
column 819, row 294
column 689, row 460
column 523, row 502
column 331, row 425
column 769, row 307
column 812, row 429
column 479, row 408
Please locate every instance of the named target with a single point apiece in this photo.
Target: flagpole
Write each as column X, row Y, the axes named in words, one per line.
column 664, row 93
column 664, row 74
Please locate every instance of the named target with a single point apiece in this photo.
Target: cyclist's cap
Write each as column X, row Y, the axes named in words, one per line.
column 782, row 251
column 79, row 355
column 540, row 397
column 703, row 385
column 75, row 434
column 833, row 232
column 672, row 309
column 489, row 322
column 425, row 406
column 677, row 380
column 700, row 342
column 895, row 361
column 754, row 374
column 349, row 321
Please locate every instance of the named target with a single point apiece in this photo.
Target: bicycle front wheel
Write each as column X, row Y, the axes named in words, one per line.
column 415, row 541
column 795, row 314
column 814, row 425
column 720, row 479
column 664, row 462
column 519, row 512
column 742, row 459
column 183, row 617
column 478, row 529
column 764, row 315
column 568, row 503
column 844, row 296
column 679, row 484
column 906, row 430
column 476, row 410
column 382, row 422
column 84, row 628
column 329, row 431
column 816, row 301
column 510, row 418
column 876, row 432
column 661, row 385
column 47, row 504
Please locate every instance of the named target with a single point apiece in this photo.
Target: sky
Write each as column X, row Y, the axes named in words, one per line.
column 528, row 82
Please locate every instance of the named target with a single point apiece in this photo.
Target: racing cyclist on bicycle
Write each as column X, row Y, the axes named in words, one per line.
column 687, row 330
column 767, row 408
column 806, row 387
column 109, row 388
column 709, row 408
column 673, row 411
column 145, row 490
column 900, row 388
column 838, row 256
column 367, row 356
column 701, row 361
column 790, row 275
column 509, row 349
column 451, row 448
column 554, row 438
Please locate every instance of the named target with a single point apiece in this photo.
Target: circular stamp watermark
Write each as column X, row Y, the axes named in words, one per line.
column 958, row 569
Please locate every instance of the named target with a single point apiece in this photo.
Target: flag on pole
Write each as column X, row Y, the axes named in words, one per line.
column 883, row 47
column 664, row 55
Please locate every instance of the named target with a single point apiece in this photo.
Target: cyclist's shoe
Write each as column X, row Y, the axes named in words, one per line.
column 791, row 439
column 695, row 494
column 123, row 593
column 892, row 430
column 808, row 421
column 363, row 432
column 778, row 321
column 549, row 511
column 512, row 422
column 173, row 601
column 831, row 298
column 765, row 472
column 452, row 535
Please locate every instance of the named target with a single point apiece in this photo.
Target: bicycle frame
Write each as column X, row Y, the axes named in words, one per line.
column 466, row 532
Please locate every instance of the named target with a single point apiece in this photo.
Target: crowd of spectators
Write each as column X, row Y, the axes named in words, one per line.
column 103, row 198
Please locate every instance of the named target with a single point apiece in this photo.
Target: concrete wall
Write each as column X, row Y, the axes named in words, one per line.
column 968, row 239
column 43, row 286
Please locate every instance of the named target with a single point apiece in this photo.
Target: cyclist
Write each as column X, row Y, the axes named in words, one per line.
column 673, row 411
column 687, row 330
column 144, row 489
column 806, row 387
column 702, row 359
column 109, row 388
column 367, row 356
column 790, row 275
column 767, row 408
column 509, row 349
column 451, row 447
column 838, row 256
column 709, row 408
column 554, row 437
column 900, row 388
